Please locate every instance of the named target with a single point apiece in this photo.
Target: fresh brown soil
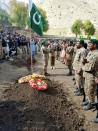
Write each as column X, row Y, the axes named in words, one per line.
column 26, row 109
column 23, row 62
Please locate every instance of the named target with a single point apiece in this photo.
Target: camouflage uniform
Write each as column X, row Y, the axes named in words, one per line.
column 77, row 66
column 69, row 58
column 45, row 51
column 75, row 50
column 1, row 50
column 91, row 71
column 52, row 56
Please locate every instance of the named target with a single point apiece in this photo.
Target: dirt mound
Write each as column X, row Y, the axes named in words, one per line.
column 22, row 62
column 26, row 109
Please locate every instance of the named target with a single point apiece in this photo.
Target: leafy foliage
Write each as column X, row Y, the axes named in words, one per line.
column 79, row 27
column 88, row 28
column 4, row 18
column 76, row 27
column 18, row 13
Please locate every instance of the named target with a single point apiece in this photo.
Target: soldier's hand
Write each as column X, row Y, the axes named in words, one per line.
column 96, row 80
column 79, row 72
column 85, row 61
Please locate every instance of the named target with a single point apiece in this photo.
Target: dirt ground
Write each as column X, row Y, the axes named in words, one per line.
column 25, row 109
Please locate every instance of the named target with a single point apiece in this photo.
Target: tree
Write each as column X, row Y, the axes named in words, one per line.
column 44, row 20
column 77, row 27
column 4, row 18
column 19, row 13
column 20, row 17
column 89, row 28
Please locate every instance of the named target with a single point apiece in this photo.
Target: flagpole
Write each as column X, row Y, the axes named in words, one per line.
column 31, row 51
column 36, row 24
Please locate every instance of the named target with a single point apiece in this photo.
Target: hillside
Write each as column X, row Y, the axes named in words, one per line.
column 62, row 13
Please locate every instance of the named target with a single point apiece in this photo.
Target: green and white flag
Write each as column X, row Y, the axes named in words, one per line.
column 35, row 18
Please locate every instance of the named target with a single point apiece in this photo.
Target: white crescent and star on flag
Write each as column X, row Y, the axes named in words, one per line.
column 37, row 22
column 35, row 15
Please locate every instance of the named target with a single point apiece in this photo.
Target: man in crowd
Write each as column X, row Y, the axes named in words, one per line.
column 34, row 47
column 77, row 66
column 24, row 45
column 1, row 50
column 13, row 44
column 45, row 51
column 58, row 49
column 52, row 55
column 69, row 56
column 91, row 73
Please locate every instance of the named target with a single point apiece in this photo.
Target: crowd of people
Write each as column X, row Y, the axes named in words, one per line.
column 13, row 44
column 81, row 58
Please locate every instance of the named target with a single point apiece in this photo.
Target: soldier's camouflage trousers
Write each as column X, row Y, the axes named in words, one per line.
column 45, row 64
column 90, row 87
column 70, row 68
column 79, row 80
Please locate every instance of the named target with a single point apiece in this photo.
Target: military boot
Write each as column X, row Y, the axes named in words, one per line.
column 70, row 73
column 76, row 90
column 46, row 74
column 79, row 92
column 88, row 107
column 95, row 120
column 84, row 103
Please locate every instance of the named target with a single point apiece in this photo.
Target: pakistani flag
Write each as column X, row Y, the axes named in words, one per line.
column 35, row 18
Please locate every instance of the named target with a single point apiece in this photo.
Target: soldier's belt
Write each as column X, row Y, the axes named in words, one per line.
column 91, row 72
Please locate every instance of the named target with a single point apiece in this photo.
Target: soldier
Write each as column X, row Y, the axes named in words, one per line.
column 45, row 51
column 63, row 46
column 91, row 73
column 77, row 66
column 69, row 56
column 58, row 49
column 1, row 50
column 52, row 56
